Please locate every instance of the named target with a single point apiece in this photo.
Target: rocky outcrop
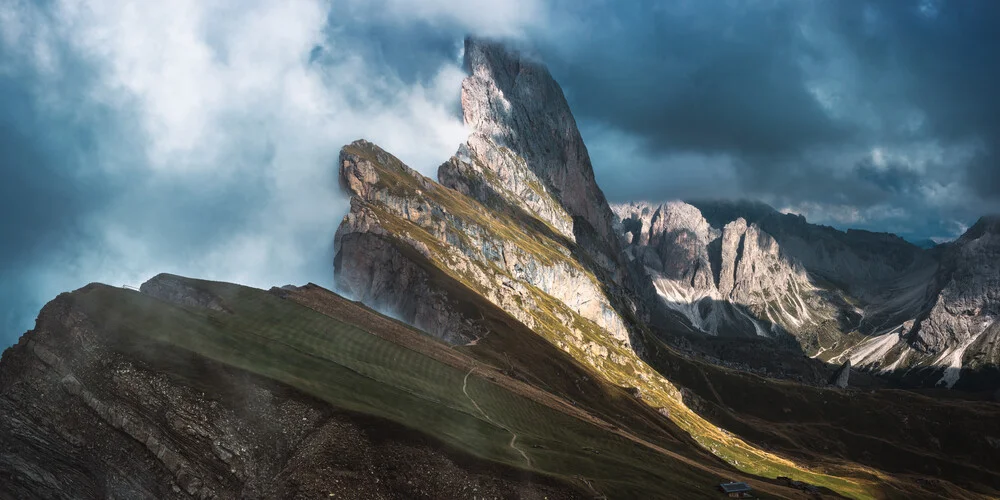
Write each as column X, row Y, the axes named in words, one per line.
column 380, row 275
column 671, row 239
column 518, row 216
column 176, row 290
column 731, row 248
column 968, row 303
column 868, row 298
column 939, row 325
column 399, row 218
column 525, row 149
column 731, row 280
column 860, row 262
column 842, row 376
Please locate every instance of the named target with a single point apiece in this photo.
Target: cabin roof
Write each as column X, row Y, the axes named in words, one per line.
column 734, row 487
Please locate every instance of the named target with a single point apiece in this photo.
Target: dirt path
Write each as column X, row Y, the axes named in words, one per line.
column 513, row 435
column 340, row 309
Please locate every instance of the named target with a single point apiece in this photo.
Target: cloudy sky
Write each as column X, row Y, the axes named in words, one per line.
column 200, row 137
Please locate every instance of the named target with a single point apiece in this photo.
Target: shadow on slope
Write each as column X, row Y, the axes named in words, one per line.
column 896, row 431
column 601, row 440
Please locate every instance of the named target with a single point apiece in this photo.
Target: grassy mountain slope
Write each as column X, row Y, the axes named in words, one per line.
column 390, row 371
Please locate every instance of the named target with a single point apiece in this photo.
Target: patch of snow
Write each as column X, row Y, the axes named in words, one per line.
column 895, row 364
column 951, row 359
column 761, row 332
column 873, row 351
column 683, row 300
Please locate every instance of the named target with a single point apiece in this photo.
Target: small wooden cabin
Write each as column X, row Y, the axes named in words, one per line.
column 736, row 490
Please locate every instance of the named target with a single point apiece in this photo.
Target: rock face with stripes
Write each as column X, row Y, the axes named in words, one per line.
column 516, row 216
column 930, row 317
column 525, row 150
column 733, row 280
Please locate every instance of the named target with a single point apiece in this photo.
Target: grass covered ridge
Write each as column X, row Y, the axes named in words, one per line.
column 476, row 411
column 578, row 336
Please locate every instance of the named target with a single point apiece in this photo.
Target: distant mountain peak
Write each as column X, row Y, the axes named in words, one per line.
column 987, row 224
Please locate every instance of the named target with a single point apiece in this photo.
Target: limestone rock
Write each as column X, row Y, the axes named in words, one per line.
column 968, row 302
column 732, row 280
column 526, row 144
column 842, row 376
column 172, row 289
column 403, row 226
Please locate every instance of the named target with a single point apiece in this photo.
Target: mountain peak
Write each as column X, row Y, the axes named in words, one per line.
column 525, row 141
column 492, row 60
column 986, row 224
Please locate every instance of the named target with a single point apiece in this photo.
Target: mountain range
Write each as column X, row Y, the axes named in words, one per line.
column 509, row 333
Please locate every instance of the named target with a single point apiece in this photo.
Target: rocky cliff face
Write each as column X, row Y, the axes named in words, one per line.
column 866, row 298
column 968, row 303
column 946, row 327
column 869, row 298
column 517, row 216
column 526, row 151
column 860, row 262
column 399, row 218
column 732, row 280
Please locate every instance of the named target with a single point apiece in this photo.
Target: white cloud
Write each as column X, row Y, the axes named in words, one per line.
column 483, row 17
column 224, row 95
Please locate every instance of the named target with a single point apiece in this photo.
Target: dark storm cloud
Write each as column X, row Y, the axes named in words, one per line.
column 792, row 98
column 984, row 172
column 704, row 78
column 949, row 52
column 891, row 178
column 411, row 53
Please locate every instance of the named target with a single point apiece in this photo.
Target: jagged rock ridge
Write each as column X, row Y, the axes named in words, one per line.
column 950, row 332
column 869, row 298
column 525, row 149
column 518, row 213
column 395, row 211
column 476, row 239
column 728, row 280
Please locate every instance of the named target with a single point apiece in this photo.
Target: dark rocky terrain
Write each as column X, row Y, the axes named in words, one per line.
column 97, row 412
